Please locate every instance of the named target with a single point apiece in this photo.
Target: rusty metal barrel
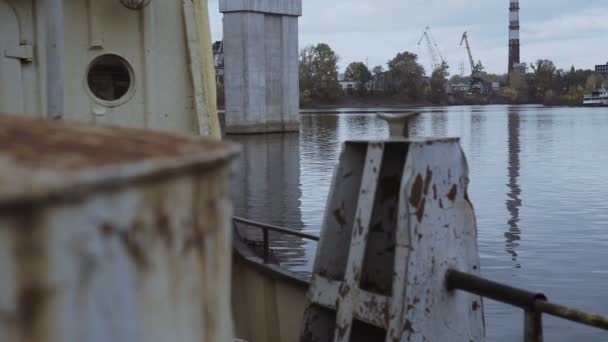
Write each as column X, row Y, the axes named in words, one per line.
column 112, row 234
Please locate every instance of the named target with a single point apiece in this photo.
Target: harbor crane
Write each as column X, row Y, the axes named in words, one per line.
column 476, row 69
column 437, row 59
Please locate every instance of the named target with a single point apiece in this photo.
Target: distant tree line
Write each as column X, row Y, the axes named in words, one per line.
column 406, row 81
column 551, row 86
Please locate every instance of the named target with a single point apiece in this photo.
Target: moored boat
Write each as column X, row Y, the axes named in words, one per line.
column 597, row 98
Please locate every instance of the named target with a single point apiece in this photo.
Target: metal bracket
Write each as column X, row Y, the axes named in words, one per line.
column 22, row 52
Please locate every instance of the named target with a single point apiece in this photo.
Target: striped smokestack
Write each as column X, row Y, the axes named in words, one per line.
column 513, row 34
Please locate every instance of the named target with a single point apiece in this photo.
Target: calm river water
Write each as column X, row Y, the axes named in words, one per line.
column 539, row 183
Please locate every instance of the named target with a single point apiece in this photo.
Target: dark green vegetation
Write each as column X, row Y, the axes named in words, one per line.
column 406, row 82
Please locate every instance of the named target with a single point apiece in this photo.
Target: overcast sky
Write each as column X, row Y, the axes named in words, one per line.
column 569, row 32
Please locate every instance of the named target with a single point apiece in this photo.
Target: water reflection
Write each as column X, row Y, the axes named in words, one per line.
column 266, row 188
column 513, row 235
column 439, row 123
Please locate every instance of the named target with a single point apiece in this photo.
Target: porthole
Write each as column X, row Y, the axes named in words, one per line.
column 110, row 80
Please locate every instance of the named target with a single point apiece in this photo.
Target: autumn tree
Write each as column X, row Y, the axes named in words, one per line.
column 408, row 76
column 439, row 82
column 319, row 74
column 545, row 74
column 360, row 74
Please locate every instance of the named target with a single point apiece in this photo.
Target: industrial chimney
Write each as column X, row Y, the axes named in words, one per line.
column 513, row 34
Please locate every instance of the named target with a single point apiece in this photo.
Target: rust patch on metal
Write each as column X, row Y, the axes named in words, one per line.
column 359, row 226
column 70, row 145
column 427, row 180
column 453, row 192
column 339, row 216
column 408, row 326
column 107, row 230
column 420, row 211
column 30, row 305
column 164, row 229
column 133, row 246
column 195, row 241
column 416, row 194
column 344, row 290
column 387, row 314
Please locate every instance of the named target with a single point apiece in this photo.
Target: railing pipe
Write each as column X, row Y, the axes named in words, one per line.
column 532, row 303
column 268, row 227
column 489, row 289
column 570, row 314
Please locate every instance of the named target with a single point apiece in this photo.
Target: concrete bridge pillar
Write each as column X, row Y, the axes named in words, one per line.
column 261, row 65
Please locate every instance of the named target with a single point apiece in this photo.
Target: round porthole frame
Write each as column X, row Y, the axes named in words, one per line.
column 123, row 99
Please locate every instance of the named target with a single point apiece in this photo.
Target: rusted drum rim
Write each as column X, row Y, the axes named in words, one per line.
column 63, row 161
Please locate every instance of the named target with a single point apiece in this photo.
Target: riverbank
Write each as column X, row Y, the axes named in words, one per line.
column 394, row 102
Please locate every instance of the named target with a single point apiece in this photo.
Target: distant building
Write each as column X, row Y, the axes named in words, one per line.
column 348, row 86
column 459, row 88
column 218, row 61
column 602, row 69
column 382, row 82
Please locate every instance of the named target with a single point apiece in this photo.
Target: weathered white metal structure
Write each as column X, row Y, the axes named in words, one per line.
column 261, row 65
column 403, row 206
column 112, row 234
column 101, row 62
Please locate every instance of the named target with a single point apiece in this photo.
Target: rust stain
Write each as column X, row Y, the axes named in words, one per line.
column 69, row 145
column 453, row 192
column 107, row 230
column 427, row 180
column 339, row 216
column 133, row 246
column 420, row 211
column 408, row 326
column 344, row 290
column 416, row 194
column 387, row 314
column 164, row 229
column 30, row 306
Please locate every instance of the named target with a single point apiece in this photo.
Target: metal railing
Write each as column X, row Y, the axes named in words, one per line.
column 533, row 304
column 266, row 228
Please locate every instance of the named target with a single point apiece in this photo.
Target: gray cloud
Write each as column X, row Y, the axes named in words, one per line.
column 565, row 31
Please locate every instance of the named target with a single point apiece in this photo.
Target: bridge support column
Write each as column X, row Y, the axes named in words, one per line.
column 261, row 63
